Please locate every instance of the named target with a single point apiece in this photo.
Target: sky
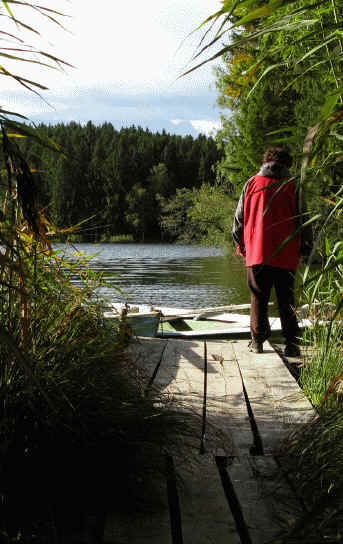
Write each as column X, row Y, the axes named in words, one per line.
column 127, row 57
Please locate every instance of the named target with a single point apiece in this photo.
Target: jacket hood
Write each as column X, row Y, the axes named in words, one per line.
column 274, row 170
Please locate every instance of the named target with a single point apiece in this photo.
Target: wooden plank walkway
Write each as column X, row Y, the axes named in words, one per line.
column 220, row 486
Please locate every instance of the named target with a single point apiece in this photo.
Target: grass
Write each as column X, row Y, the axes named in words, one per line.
column 313, row 456
column 325, row 367
column 313, row 461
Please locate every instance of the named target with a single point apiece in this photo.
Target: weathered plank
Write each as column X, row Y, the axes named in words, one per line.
column 277, row 402
column 182, row 374
column 145, row 354
column 275, row 398
column 151, row 527
column 283, row 505
column 265, row 511
column 148, row 521
column 259, row 507
column 233, row 412
column 185, row 362
column 205, row 512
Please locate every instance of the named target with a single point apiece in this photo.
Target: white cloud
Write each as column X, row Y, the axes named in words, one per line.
column 208, row 127
column 137, row 45
column 129, row 49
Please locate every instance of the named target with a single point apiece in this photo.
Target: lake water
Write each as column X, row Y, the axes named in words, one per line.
column 168, row 275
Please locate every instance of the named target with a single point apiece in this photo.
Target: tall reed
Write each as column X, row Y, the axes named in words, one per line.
column 77, row 429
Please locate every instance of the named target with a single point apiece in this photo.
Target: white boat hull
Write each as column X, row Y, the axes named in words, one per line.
column 166, row 322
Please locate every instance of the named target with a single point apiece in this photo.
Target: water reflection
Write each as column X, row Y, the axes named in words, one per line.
column 161, row 274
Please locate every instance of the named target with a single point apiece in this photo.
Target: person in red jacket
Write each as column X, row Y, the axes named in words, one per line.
column 268, row 234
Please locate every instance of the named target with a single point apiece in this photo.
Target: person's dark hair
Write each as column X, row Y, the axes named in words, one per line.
column 278, row 154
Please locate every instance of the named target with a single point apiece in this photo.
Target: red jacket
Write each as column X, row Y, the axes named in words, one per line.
column 267, row 218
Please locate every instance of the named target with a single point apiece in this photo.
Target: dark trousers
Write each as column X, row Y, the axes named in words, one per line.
column 261, row 279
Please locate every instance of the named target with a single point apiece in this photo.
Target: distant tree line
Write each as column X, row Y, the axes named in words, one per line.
column 121, row 179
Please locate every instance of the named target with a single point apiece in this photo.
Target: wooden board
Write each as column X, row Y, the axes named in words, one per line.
column 208, row 494
column 145, row 354
column 281, row 502
column 228, row 388
column 152, row 527
column 228, row 428
column 205, row 516
column 182, row 375
column 277, row 402
column 275, row 398
column 205, row 513
column 261, row 524
column 169, row 314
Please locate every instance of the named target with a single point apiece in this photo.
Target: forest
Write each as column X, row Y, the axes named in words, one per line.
column 122, row 182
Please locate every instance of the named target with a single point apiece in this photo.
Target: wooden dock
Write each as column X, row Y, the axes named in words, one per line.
column 223, row 484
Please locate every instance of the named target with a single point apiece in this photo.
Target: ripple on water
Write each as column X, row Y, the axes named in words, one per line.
column 161, row 274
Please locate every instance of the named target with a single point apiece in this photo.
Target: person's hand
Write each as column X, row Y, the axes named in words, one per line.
column 240, row 251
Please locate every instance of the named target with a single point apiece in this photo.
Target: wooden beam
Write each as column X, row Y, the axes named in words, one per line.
column 180, row 313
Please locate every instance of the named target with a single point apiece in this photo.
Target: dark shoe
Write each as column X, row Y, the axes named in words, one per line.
column 255, row 347
column 292, row 350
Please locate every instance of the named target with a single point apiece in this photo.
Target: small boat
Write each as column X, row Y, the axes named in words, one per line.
column 212, row 322
column 141, row 319
column 168, row 322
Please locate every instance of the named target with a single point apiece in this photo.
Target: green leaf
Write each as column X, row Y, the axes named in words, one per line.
column 281, row 130
column 294, row 234
column 25, row 82
column 300, row 76
column 280, row 140
column 266, row 71
column 7, row 7
column 317, row 47
column 219, row 54
column 330, row 104
column 215, row 15
column 22, row 59
column 31, row 132
column 228, row 8
column 262, row 11
column 24, row 25
column 336, row 135
column 4, row 113
column 207, row 46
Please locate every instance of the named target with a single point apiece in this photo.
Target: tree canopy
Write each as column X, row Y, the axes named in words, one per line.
column 282, row 84
column 116, row 178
